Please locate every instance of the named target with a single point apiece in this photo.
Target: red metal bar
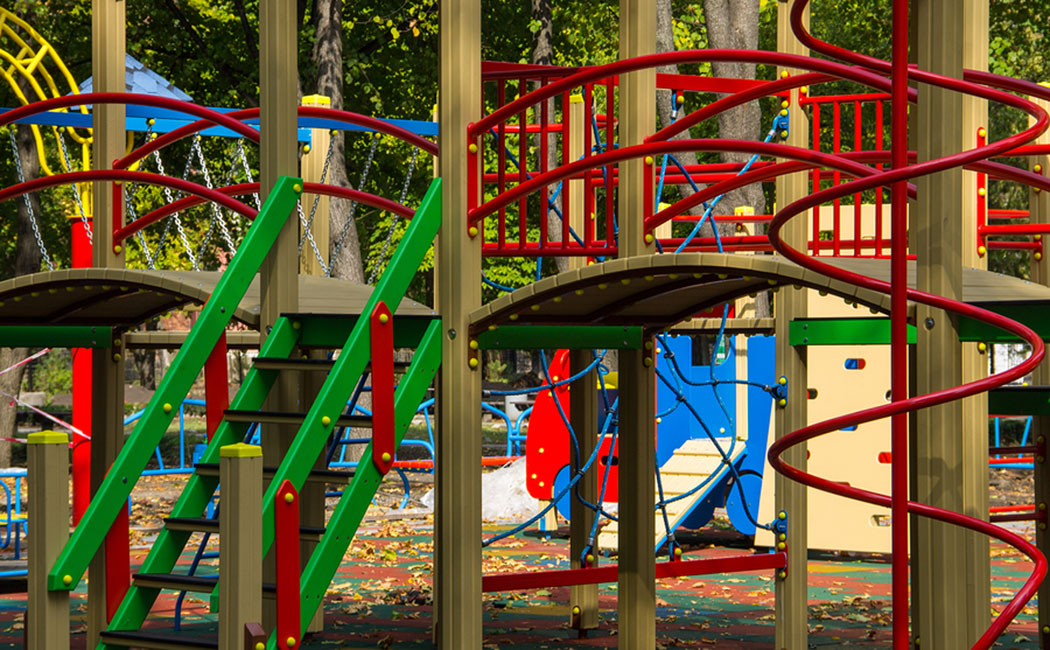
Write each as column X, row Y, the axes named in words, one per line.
column 609, row 572
column 836, row 178
column 501, row 157
column 816, row 171
column 81, row 455
column 381, row 325
column 1010, row 461
column 1029, row 507
column 1037, row 516
column 982, row 200
column 118, row 562
column 286, row 554
column 858, row 125
column 216, row 386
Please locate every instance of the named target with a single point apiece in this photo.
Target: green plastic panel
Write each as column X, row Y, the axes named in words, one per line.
column 843, row 331
column 1019, row 400
column 1032, row 315
column 331, row 331
column 341, row 528
column 538, row 337
column 56, row 336
column 127, row 468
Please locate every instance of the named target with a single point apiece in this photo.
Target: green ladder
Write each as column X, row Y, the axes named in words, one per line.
column 352, row 335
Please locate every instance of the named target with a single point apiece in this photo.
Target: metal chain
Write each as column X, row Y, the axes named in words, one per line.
column 216, row 210
column 76, row 191
column 353, row 205
column 317, row 198
column 195, row 264
column 28, row 204
column 247, row 170
column 397, row 217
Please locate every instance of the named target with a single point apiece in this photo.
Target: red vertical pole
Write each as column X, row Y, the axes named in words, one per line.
column 286, row 552
column 81, row 258
column 898, row 328
column 216, row 386
column 382, row 345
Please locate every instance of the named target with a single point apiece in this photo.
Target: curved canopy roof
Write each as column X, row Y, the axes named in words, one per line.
column 660, row 291
column 124, row 298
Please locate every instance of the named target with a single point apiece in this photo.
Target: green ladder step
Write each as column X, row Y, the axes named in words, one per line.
column 277, row 417
column 326, row 476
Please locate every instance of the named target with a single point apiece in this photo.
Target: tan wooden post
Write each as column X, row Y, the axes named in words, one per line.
column 107, row 370
column 278, row 156
column 240, row 542
column 637, row 531
column 791, row 611
column 47, row 624
column 1039, row 208
column 312, row 168
column 950, row 566
column 583, row 404
column 457, row 517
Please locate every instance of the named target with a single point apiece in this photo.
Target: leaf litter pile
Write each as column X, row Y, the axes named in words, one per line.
column 382, row 596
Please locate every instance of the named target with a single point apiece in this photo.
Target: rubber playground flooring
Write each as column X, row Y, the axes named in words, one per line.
column 381, row 598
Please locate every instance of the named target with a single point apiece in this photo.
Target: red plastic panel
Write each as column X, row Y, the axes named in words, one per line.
column 382, row 335
column 216, row 386
column 286, row 552
column 547, row 444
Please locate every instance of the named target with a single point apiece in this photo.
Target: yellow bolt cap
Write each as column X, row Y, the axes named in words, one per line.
column 167, row 407
column 386, row 457
column 384, row 318
column 297, row 188
column 289, row 497
column 473, row 363
column 325, row 420
column 472, row 231
column 67, row 580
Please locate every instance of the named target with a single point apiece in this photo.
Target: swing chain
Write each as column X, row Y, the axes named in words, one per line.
column 195, row 265
column 353, row 205
column 29, row 206
column 396, row 218
column 76, row 191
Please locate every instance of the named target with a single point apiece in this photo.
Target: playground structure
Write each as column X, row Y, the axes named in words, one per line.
column 623, row 301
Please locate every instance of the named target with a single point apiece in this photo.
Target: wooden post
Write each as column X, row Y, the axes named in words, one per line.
column 637, row 534
column 47, row 624
column 240, row 542
column 312, row 168
column 583, row 406
column 791, row 592
column 107, row 370
column 950, row 566
column 1039, row 208
column 278, row 156
column 457, row 516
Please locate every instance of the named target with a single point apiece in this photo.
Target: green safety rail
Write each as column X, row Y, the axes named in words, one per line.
column 842, row 331
column 113, row 494
column 357, row 497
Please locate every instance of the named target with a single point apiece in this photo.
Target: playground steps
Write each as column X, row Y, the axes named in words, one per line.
column 204, row 525
column 351, row 336
column 194, row 584
column 310, row 365
column 695, row 462
column 326, row 476
column 153, row 640
column 248, row 416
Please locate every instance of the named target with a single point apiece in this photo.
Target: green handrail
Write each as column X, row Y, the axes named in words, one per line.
column 113, row 494
column 357, row 497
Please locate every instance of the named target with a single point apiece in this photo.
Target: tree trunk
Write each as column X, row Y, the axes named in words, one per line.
column 27, row 260
column 543, row 54
column 344, row 252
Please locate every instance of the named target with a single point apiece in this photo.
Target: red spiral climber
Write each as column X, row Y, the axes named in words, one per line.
column 980, row 84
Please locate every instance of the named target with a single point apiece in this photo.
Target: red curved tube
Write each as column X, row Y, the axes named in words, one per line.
column 210, row 116
column 347, row 117
column 242, row 189
column 900, row 294
column 204, row 193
